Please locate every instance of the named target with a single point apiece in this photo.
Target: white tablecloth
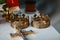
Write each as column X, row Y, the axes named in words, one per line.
column 40, row 34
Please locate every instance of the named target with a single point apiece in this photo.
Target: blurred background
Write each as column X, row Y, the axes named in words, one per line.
column 47, row 6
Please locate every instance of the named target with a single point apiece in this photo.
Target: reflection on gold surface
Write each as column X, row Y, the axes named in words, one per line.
column 21, row 33
column 13, row 35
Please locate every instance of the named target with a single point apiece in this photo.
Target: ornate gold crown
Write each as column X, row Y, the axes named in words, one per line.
column 17, row 21
column 23, row 22
column 41, row 21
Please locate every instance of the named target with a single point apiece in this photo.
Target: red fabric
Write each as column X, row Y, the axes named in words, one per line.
column 44, row 19
column 30, row 7
column 41, row 13
column 12, row 3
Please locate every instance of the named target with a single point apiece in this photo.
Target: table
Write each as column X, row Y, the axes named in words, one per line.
column 40, row 34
